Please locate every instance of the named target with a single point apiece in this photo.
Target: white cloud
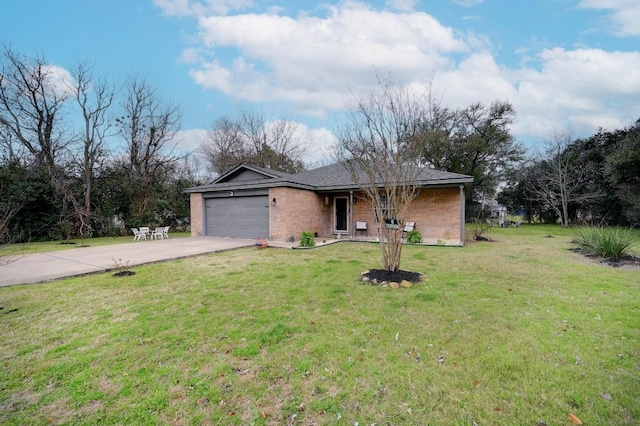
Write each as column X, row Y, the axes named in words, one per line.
column 624, row 15
column 189, row 7
column 468, row 3
column 478, row 78
column 401, row 5
column 58, row 82
column 190, row 56
column 190, row 140
column 581, row 89
column 316, row 62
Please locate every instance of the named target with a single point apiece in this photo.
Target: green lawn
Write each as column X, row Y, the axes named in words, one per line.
column 500, row 333
column 49, row 246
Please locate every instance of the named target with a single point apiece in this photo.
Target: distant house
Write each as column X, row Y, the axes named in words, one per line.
column 254, row 202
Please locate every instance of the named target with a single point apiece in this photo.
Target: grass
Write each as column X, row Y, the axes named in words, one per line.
column 49, row 246
column 499, row 333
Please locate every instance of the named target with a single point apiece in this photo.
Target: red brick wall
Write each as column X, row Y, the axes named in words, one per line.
column 298, row 210
column 196, row 202
column 437, row 213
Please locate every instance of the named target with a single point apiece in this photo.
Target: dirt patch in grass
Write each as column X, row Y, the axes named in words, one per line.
column 379, row 276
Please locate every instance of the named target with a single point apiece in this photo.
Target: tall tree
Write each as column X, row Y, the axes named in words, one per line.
column 31, row 107
column 474, row 141
column 622, row 167
column 148, row 127
column 28, row 203
column 559, row 176
column 225, row 147
column 378, row 146
column 33, row 102
column 252, row 138
column 94, row 98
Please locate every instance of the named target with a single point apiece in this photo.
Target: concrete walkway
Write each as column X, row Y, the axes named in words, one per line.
column 42, row 267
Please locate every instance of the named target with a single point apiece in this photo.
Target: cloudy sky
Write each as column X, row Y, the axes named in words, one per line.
column 566, row 65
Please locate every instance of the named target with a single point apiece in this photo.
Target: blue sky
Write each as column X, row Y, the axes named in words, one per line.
column 566, row 65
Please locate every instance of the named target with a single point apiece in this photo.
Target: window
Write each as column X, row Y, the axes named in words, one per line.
column 385, row 210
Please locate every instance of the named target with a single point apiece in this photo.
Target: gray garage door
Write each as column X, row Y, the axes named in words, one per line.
column 241, row 217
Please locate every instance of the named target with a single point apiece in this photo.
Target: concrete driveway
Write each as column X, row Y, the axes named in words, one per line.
column 41, row 267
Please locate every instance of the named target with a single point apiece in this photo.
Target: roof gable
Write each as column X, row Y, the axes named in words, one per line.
column 247, row 173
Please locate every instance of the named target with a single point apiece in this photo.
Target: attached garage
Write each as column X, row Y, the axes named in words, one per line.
column 237, row 215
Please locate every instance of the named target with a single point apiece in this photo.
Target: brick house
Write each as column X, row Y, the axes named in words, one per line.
column 254, row 202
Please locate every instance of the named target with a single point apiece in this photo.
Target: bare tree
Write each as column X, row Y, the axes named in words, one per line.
column 33, row 101
column 558, row 176
column 274, row 143
column 149, row 127
column 225, row 147
column 379, row 146
column 31, row 107
column 9, row 207
column 94, row 98
column 252, row 138
column 9, row 149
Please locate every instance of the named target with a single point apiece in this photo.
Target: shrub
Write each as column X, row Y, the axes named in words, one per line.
column 610, row 243
column 306, row 239
column 480, row 230
column 414, row 237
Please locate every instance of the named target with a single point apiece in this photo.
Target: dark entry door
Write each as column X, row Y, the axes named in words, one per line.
column 341, row 213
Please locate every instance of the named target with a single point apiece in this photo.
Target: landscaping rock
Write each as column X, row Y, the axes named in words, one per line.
column 406, row 284
column 394, row 285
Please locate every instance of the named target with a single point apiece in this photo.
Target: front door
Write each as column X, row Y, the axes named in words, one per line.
column 341, row 212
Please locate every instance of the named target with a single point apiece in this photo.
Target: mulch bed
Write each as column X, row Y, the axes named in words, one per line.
column 378, row 276
column 630, row 262
column 625, row 262
column 124, row 274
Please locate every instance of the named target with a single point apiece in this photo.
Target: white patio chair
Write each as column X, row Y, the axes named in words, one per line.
column 362, row 226
column 137, row 235
column 146, row 231
column 157, row 233
column 408, row 227
column 160, row 233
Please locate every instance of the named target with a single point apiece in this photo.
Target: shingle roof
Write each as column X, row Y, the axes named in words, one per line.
column 336, row 176
column 328, row 178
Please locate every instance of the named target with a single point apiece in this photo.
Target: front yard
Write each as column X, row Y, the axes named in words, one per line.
column 517, row 331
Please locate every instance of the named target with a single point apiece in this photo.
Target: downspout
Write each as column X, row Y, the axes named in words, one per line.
column 462, row 214
column 203, row 215
column 351, row 227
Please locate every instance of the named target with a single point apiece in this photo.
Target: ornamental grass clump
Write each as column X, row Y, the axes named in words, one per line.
column 610, row 243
